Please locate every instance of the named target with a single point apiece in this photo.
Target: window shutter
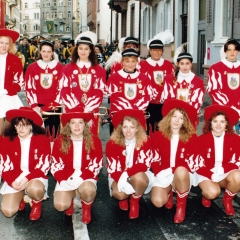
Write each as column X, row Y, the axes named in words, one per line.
column 236, row 19
column 210, row 20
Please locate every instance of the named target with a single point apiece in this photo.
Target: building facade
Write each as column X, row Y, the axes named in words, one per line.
column 66, row 17
column 12, row 14
column 31, row 18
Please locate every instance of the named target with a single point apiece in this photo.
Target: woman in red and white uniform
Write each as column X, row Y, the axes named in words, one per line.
column 224, row 79
column 43, row 80
column 184, row 84
column 156, row 68
column 174, row 143
column 128, row 88
column 219, row 153
column 26, row 162
column 129, row 158
column 11, row 74
column 84, row 81
column 76, row 161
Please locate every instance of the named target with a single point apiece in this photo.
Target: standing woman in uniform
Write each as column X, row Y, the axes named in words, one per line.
column 84, row 81
column 26, row 161
column 156, row 68
column 173, row 143
column 184, row 84
column 219, row 151
column 129, row 158
column 11, row 74
column 76, row 161
column 43, row 79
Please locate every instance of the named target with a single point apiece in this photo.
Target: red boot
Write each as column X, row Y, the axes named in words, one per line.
column 21, row 205
column 206, row 202
column 169, row 203
column 181, row 206
column 134, row 206
column 36, row 210
column 86, row 212
column 70, row 210
column 227, row 202
column 123, row 204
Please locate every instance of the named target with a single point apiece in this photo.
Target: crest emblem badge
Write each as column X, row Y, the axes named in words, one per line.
column 130, row 90
column 233, row 80
column 46, row 80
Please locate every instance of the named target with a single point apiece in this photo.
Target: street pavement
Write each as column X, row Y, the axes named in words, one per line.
column 111, row 223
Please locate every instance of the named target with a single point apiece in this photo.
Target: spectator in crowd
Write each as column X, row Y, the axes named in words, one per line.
column 27, row 51
column 100, row 55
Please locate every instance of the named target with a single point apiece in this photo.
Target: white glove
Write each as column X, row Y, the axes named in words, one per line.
column 128, row 189
column 75, row 182
column 64, row 184
column 121, row 182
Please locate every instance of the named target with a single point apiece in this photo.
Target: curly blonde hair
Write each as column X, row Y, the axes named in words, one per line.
column 185, row 132
column 66, row 138
column 118, row 137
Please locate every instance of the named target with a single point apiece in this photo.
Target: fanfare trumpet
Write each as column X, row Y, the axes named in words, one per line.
column 102, row 112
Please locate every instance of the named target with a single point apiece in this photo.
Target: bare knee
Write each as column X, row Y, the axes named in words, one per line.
column 8, row 211
column 211, row 193
column 61, row 206
column 158, row 202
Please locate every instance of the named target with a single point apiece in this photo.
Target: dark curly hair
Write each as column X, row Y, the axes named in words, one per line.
column 11, row 132
column 92, row 57
column 207, row 127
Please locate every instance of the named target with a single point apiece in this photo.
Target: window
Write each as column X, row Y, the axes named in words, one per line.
column 36, row 27
column 69, row 2
column 36, row 15
column 26, row 5
column 47, row 15
column 47, row 4
column 68, row 29
column 37, row 5
column 61, row 28
column 26, row 17
column 60, row 15
column 60, row 3
column 55, row 3
column 45, row 28
column 43, row 15
column 69, row 14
